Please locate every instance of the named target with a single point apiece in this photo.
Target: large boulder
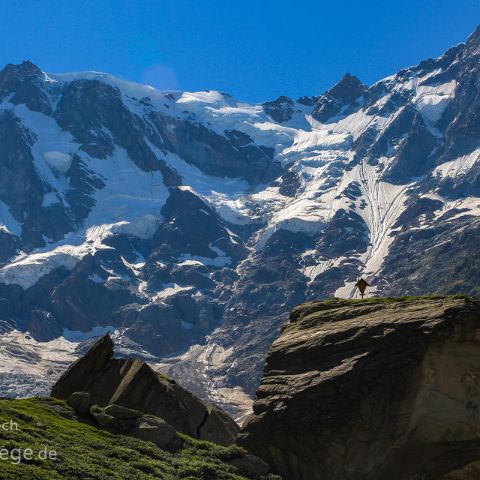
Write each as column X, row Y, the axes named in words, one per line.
column 123, row 413
column 157, row 431
column 378, row 389
column 81, row 402
column 133, row 384
column 131, row 422
column 109, row 422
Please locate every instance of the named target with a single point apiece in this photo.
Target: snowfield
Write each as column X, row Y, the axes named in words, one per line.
column 132, row 199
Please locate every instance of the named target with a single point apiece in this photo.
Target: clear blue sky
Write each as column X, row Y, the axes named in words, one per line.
column 254, row 49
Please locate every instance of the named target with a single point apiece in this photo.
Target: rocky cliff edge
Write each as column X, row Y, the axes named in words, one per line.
column 376, row 389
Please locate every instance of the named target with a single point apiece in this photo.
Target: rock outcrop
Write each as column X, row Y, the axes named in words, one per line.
column 133, row 384
column 345, row 94
column 131, row 422
column 378, row 389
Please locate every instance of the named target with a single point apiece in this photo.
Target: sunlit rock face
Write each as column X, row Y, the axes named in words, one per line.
column 372, row 390
column 190, row 224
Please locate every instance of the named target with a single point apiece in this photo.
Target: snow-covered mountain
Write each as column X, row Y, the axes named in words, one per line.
column 189, row 224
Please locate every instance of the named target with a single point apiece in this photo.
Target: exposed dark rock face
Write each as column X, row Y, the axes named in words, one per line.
column 87, row 106
column 83, row 184
column 347, row 234
column 81, row 372
column 22, row 188
column 340, row 99
column 289, row 183
column 25, row 82
column 308, row 101
column 432, row 257
column 232, row 155
column 131, row 383
column 265, row 291
column 8, row 246
column 191, row 226
column 13, row 75
column 280, row 110
column 371, row 390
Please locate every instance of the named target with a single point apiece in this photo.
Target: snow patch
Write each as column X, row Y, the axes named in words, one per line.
column 215, row 262
column 432, row 101
column 95, row 278
column 190, row 263
column 78, row 336
column 170, row 290
column 49, row 199
column 216, row 250
column 321, row 266
column 7, row 222
column 58, row 161
column 458, row 167
column 304, row 215
column 131, row 89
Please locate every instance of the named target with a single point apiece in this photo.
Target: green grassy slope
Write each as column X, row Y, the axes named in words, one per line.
column 88, row 453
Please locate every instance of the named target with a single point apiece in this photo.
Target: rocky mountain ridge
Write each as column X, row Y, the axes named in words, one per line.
column 190, row 224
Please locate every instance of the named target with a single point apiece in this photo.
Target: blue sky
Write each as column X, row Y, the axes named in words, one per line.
column 255, row 50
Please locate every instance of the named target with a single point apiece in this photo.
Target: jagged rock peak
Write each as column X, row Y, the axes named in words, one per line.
column 340, row 96
column 19, row 71
column 348, row 88
column 280, row 109
column 25, row 82
column 83, row 368
column 133, row 384
column 472, row 45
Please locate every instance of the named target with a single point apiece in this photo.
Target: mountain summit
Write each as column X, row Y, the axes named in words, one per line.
column 189, row 224
column 348, row 91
